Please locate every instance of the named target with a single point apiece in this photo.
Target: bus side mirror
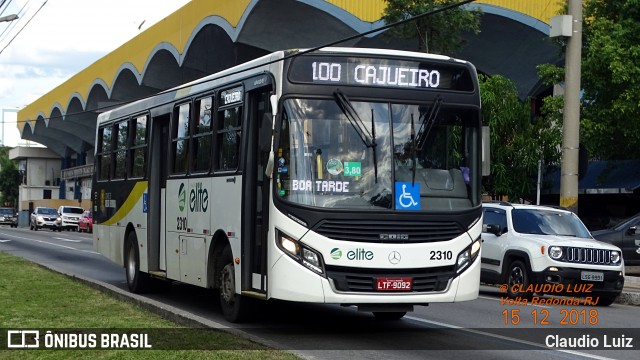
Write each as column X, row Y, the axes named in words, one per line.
column 265, row 133
column 273, row 99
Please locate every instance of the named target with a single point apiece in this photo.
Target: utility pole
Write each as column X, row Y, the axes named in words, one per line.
column 571, row 121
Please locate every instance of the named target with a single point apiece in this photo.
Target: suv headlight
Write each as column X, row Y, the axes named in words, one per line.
column 555, row 252
column 467, row 256
column 306, row 256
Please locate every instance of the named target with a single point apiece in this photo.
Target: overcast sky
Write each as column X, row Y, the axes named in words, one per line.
column 54, row 39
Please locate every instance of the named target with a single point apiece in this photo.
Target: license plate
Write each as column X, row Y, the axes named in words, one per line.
column 591, row 276
column 394, row 284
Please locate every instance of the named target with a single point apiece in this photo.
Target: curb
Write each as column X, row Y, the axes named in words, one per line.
column 171, row 313
column 628, row 298
column 631, row 291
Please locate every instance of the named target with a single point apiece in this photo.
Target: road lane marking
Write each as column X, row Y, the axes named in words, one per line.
column 69, row 240
column 89, row 251
column 501, row 337
column 55, row 244
column 2, row 241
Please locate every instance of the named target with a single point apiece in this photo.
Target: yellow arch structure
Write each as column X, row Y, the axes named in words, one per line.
column 186, row 19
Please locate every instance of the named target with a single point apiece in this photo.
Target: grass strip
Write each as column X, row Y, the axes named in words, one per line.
column 32, row 297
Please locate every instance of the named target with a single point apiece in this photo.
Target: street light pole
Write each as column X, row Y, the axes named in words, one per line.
column 571, row 122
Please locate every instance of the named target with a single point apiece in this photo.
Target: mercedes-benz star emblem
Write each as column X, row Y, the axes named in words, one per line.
column 394, row 257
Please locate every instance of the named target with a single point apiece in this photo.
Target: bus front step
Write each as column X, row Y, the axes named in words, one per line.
column 158, row 274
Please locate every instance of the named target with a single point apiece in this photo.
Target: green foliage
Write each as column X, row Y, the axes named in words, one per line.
column 442, row 30
column 550, row 74
column 610, row 127
column 9, row 180
column 516, row 144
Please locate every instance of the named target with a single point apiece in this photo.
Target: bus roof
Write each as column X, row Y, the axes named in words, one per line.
column 236, row 73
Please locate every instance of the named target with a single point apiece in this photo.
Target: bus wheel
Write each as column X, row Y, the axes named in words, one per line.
column 137, row 281
column 394, row 315
column 234, row 306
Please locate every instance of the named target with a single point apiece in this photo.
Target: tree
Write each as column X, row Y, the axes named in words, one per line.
column 610, row 126
column 439, row 33
column 9, row 179
column 517, row 144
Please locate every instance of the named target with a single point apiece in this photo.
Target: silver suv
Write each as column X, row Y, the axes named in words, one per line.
column 45, row 217
column 547, row 250
column 70, row 215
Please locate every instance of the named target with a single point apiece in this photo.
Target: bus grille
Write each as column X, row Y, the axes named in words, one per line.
column 396, row 232
column 588, row 256
column 364, row 280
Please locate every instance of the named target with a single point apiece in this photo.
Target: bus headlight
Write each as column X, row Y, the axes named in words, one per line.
column 306, row 256
column 467, row 256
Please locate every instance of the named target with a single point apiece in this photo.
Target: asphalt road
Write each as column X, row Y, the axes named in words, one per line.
column 486, row 328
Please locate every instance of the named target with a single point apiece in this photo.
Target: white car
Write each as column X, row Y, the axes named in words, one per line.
column 70, row 215
column 547, row 250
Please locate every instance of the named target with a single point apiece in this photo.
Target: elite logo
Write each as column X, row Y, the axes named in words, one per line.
column 198, row 199
column 182, row 197
column 357, row 254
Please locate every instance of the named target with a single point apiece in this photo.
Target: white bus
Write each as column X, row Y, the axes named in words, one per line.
column 342, row 176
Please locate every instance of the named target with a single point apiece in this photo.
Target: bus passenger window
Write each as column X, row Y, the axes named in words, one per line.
column 122, row 133
column 139, row 148
column 229, row 138
column 201, row 155
column 180, row 139
column 104, row 152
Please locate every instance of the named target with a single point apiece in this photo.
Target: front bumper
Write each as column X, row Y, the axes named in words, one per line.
column 48, row 224
column 301, row 284
column 572, row 284
column 8, row 221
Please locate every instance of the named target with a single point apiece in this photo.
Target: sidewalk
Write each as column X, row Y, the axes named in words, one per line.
column 631, row 291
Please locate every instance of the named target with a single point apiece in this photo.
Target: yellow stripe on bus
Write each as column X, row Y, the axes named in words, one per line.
column 133, row 198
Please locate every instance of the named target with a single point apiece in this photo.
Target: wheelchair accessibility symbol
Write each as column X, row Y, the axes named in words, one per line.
column 407, row 196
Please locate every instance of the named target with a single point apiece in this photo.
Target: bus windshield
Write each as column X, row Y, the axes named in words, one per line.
column 336, row 153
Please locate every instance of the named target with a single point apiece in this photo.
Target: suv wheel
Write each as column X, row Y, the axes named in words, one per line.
column 518, row 280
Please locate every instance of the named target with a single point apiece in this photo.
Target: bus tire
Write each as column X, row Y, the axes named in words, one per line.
column 235, row 307
column 137, row 281
column 388, row 316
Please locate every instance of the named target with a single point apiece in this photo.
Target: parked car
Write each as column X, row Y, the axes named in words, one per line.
column 45, row 217
column 86, row 222
column 626, row 236
column 547, row 250
column 70, row 216
column 8, row 216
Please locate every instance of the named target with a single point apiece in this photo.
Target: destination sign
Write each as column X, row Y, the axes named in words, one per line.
column 391, row 73
column 231, row 96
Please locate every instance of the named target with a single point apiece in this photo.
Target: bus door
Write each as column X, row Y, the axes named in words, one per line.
column 255, row 223
column 158, row 160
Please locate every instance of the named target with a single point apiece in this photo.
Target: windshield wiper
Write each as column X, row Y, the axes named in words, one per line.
column 413, row 152
column 368, row 138
column 427, row 124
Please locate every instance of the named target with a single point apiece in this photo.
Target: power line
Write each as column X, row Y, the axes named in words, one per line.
column 25, row 25
column 13, row 24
